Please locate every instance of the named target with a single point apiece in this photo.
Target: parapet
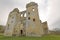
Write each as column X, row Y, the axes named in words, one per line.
column 31, row 4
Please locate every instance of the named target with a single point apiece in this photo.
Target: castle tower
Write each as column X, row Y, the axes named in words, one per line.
column 33, row 25
column 13, row 19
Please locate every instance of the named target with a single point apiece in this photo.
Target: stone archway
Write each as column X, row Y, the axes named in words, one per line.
column 21, row 31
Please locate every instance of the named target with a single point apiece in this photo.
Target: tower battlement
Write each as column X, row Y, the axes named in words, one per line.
column 31, row 4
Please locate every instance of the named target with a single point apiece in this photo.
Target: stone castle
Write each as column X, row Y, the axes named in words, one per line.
column 25, row 23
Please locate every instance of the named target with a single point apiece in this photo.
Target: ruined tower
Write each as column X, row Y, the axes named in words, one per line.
column 33, row 25
column 13, row 20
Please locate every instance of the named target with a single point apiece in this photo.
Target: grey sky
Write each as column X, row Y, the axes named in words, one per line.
column 54, row 13
column 48, row 10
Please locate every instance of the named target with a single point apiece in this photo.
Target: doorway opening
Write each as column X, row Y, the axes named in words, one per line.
column 21, row 32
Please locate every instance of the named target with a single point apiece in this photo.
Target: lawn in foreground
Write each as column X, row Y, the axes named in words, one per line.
column 47, row 37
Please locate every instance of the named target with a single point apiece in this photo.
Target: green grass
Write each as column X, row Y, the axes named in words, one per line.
column 47, row 37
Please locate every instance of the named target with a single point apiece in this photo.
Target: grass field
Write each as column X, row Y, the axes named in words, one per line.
column 47, row 37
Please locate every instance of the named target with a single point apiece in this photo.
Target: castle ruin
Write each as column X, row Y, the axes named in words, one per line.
column 25, row 23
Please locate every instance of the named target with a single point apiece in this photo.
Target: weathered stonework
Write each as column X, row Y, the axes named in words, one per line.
column 45, row 27
column 19, row 25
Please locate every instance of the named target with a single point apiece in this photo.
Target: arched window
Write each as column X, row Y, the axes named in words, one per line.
column 33, row 9
column 34, row 19
column 21, row 15
column 28, row 18
column 25, row 15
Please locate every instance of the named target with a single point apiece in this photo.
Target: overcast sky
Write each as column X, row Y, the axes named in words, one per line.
column 49, row 10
